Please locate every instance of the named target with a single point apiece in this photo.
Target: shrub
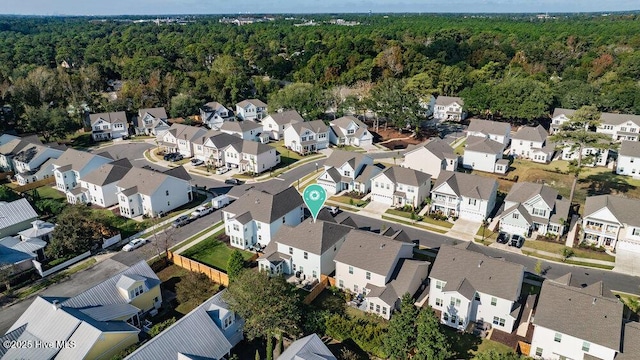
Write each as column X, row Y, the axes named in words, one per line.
column 365, row 333
column 159, row 327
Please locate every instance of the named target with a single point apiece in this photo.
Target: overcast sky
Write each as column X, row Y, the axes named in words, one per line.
column 155, row 7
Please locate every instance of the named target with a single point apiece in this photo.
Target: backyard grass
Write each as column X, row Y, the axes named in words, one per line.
column 48, row 192
column 556, row 248
column 459, row 150
column 348, row 200
column 213, row 252
column 127, row 227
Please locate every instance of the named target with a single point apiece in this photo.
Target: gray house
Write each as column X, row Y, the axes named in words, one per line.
column 16, row 216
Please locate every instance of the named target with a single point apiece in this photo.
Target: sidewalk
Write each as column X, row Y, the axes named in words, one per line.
column 557, row 257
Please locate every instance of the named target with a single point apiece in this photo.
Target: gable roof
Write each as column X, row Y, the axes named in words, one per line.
column 483, row 145
column 524, row 191
column 340, row 157
column 582, row 313
column 77, row 160
column 254, row 102
column 314, row 237
column 560, row 111
column 438, row 147
column 400, row 282
column 158, row 113
column 630, row 148
column 489, row 127
column 147, row 181
column 309, row 347
column 213, row 106
column 317, row 126
column 108, row 173
column 240, row 126
column 446, row 100
column 486, row 274
column 345, row 121
column 16, row 212
column 285, row 117
column 402, row 175
column 29, row 152
column 110, row 117
column 529, row 133
column 266, row 207
column 221, row 139
column 187, row 132
column 14, row 146
column 624, row 209
column 255, row 148
column 618, row 119
column 469, row 185
column 195, row 335
column 369, row 251
column 179, row 172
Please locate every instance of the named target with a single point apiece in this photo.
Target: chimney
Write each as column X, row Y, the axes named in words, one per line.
column 56, row 304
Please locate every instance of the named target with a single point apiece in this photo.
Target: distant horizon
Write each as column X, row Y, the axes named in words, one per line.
column 306, row 7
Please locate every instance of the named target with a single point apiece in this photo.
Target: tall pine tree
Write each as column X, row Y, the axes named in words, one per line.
column 401, row 338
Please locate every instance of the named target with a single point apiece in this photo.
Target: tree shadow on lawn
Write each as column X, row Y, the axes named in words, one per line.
column 463, row 344
column 606, row 183
column 337, row 348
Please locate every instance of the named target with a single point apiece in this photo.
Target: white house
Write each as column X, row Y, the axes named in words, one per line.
column 629, row 159
column 431, row 158
column 379, row 268
column 466, row 196
column 620, row 126
column 531, row 143
column 73, row 165
column 210, row 148
column 534, row 208
column 251, row 156
column 494, row 130
column 251, row 109
column 35, row 162
column 348, row 130
column 258, row 215
column 306, row 250
column 610, row 219
column 213, row 114
column 152, row 121
column 98, row 187
column 449, row 108
column 180, row 138
column 484, row 154
column 306, row 137
column 12, row 146
column 598, row 157
column 341, row 169
column 398, row 186
column 276, row 123
column 573, row 322
column 152, row 193
column 559, row 117
column 466, row 286
column 107, row 126
column 246, row 130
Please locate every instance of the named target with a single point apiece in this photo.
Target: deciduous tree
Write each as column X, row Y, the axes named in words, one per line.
column 235, row 264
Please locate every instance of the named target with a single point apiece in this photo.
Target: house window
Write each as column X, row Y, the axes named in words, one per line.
column 585, row 346
column 167, row 192
column 306, row 255
column 347, row 173
column 455, row 302
column 445, row 317
column 498, row 321
column 494, row 301
column 635, row 232
column 557, row 338
column 472, row 202
column 371, row 306
column 135, row 292
column 290, row 251
column 377, row 308
column 314, row 274
column 350, row 269
column 538, row 351
column 454, row 318
column 477, row 297
column 283, row 219
column 368, row 275
column 341, row 283
column 439, row 284
column 516, row 216
column 539, row 212
column 384, row 310
column 438, row 302
column 355, row 288
column 259, row 225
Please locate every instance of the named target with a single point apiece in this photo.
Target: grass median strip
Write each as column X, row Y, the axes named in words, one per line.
column 570, row 262
column 198, row 235
column 429, row 228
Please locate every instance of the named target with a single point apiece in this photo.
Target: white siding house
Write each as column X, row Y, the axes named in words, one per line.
column 432, row 157
column 107, row 126
column 531, row 143
column 306, row 137
column 342, row 168
column 494, row 130
column 484, row 154
column 181, row 138
column 629, row 159
column 251, row 109
column 246, row 130
column 449, row 108
column 99, row 187
column 72, row 165
column 152, row 121
column 276, row 123
column 398, row 186
column 609, row 220
column 251, row 156
column 621, row 127
column 348, row 130
column 34, row 162
column 466, row 196
column 213, row 114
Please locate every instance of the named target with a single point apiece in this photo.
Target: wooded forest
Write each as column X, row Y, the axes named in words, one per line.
column 512, row 68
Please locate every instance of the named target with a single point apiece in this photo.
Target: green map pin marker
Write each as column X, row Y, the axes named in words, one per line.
column 314, row 197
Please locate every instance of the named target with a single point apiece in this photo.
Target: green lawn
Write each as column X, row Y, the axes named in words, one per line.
column 571, row 262
column 556, row 248
column 424, row 219
column 488, row 234
column 351, row 148
column 48, row 192
column 127, row 227
column 416, row 224
column 348, row 200
column 196, row 236
column 459, row 150
column 213, row 252
column 287, row 156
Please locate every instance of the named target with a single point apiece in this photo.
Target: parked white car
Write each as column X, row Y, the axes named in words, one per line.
column 196, row 162
column 134, row 244
column 221, row 170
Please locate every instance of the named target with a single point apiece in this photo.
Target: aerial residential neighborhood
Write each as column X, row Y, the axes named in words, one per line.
column 369, row 185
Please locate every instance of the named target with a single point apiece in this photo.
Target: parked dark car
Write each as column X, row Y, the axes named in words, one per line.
column 168, row 156
column 517, row 241
column 177, row 157
column 503, row 237
column 233, row 181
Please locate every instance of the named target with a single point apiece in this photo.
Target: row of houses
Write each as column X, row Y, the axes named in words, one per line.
column 27, row 157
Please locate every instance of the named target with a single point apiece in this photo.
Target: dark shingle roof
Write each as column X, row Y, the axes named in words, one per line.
column 77, row 160
column 340, row 157
column 483, row 145
column 314, row 237
column 266, row 207
column 561, row 111
column 525, row 191
column 345, row 121
column 486, row 274
column 467, row 184
column 158, row 113
column 529, row 133
column 437, row 147
column 108, row 173
column 112, row 117
column 369, row 251
column 489, row 127
column 317, row 126
column 286, row 117
column 401, row 175
column 240, row 126
column 630, row 148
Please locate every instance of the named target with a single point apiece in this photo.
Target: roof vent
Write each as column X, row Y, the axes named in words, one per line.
column 56, row 304
column 257, row 201
column 594, row 301
column 382, row 246
column 480, row 263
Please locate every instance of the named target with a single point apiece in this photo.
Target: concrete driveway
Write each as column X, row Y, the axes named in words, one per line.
column 376, row 208
column 464, row 229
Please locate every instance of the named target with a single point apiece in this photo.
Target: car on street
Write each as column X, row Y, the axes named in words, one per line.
column 201, row 211
column 180, row 221
column 134, row 244
column 221, row 170
column 503, row 238
column 516, row 240
column 196, row 162
column 233, row 181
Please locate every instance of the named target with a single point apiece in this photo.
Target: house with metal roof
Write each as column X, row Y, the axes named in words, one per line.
column 629, row 159
column 348, row 130
column 484, row 154
column 309, row 347
column 16, row 216
column 275, row 124
column 431, row 157
column 494, row 130
column 213, row 114
column 449, row 108
column 531, row 143
column 573, row 322
column 95, row 324
column 99, row 186
column 152, row 121
column 399, row 186
column 534, row 208
column 209, row 331
column 466, row 286
column 341, row 170
column 251, row 109
column 380, row 269
column 18, row 253
column 256, row 216
column 74, row 164
column 306, row 137
column 466, row 196
column 306, row 250
column 39, row 230
column 152, row 193
column 251, row 156
column 107, row 126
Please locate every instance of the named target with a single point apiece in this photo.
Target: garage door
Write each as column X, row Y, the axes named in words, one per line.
column 469, row 215
column 513, row 229
column 382, row 199
column 628, row 258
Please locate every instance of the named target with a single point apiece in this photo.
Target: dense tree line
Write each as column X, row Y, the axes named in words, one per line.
column 515, row 68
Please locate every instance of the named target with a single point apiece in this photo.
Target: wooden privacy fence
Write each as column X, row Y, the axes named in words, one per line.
column 35, row 184
column 216, row 276
column 316, row 291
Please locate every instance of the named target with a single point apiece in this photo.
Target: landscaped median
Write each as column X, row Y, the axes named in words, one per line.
column 414, row 223
column 426, row 219
column 195, row 237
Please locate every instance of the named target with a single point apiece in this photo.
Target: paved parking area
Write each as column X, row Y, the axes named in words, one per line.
column 376, row 208
column 464, row 229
